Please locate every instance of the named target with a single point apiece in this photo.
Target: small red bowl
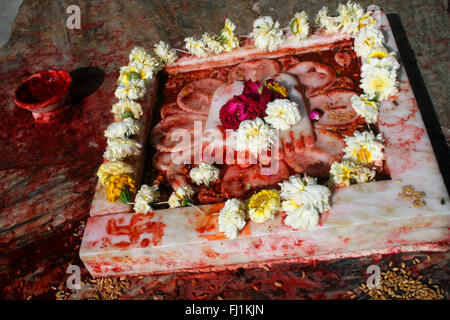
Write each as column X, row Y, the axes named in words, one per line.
column 45, row 94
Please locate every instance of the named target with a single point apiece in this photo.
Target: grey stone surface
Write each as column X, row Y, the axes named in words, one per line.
column 8, row 12
column 426, row 23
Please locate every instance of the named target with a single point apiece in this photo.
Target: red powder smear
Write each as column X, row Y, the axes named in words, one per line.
column 257, row 244
column 246, row 231
column 139, row 224
column 145, row 243
column 216, row 207
column 215, row 236
column 210, row 253
column 206, row 223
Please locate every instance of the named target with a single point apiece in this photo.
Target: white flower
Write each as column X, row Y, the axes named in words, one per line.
column 300, row 215
column 282, row 114
column 232, row 218
column 134, row 90
column 139, row 54
column 123, row 129
column 196, row 47
column 181, row 197
column 165, row 53
column 142, row 59
column 212, row 42
column 364, row 147
column 267, row 34
column 349, row 17
column 349, row 172
column 323, row 21
column 254, row 136
column 145, row 197
column 146, row 70
column 365, row 107
column 305, row 190
column 363, row 174
column 126, row 108
column 134, row 71
column 229, row 39
column 119, row 149
column 303, row 201
column 204, row 174
column 367, row 21
column 299, row 26
column 378, row 83
column 128, row 73
column 381, row 59
column 367, row 40
column 113, row 168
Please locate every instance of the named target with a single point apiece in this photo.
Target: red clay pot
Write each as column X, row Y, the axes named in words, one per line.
column 46, row 94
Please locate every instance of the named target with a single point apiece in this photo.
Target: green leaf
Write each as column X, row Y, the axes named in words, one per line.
column 125, row 195
column 184, row 202
column 292, row 25
column 127, row 114
column 222, row 39
column 134, row 76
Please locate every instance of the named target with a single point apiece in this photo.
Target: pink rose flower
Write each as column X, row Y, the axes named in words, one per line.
column 237, row 110
column 249, row 105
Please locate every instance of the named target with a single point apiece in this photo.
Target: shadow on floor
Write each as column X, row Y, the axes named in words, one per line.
column 86, row 81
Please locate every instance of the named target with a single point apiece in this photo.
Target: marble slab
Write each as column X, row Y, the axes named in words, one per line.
column 364, row 219
column 100, row 205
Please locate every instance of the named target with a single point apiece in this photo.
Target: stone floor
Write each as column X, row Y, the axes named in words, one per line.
column 47, row 172
column 8, row 12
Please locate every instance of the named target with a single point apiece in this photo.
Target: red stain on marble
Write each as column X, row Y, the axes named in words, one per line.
column 324, row 217
column 210, row 253
column 206, row 223
column 215, row 208
column 215, row 236
column 139, row 223
column 257, row 244
column 145, row 243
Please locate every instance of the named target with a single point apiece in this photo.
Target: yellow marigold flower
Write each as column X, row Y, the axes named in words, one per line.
column 113, row 168
column 118, row 184
column 264, row 205
column 275, row 86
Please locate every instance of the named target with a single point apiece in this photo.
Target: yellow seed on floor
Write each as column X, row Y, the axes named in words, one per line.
column 278, row 284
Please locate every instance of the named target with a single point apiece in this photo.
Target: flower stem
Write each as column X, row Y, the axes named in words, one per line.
column 197, row 208
column 179, row 50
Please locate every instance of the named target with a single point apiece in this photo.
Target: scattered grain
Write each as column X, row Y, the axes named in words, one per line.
column 408, row 193
column 278, row 284
column 397, row 283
